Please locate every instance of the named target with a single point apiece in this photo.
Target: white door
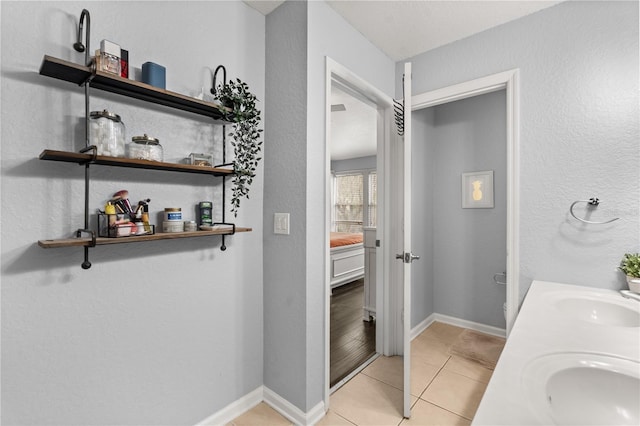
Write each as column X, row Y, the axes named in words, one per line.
column 393, row 293
column 407, row 256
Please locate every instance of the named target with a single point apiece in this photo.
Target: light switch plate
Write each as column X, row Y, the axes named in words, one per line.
column 281, row 223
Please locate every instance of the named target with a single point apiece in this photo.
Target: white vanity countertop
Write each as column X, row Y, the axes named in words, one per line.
column 544, row 327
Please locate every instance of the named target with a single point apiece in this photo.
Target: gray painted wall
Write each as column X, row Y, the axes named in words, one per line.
column 422, row 209
column 166, row 332
column 285, row 349
column 176, row 341
column 329, row 35
column 469, row 245
column 579, row 131
column 360, row 163
column 295, row 176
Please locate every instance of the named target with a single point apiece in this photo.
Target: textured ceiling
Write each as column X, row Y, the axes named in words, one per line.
column 264, row 6
column 403, row 29
column 353, row 130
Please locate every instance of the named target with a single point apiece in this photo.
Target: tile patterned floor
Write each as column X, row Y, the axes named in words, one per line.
column 445, row 389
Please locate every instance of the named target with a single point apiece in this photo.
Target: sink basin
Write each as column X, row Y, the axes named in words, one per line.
column 598, row 309
column 583, row 389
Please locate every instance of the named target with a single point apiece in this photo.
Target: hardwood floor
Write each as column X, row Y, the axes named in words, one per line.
column 352, row 340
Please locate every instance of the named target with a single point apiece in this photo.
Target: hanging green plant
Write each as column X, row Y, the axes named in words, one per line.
column 245, row 137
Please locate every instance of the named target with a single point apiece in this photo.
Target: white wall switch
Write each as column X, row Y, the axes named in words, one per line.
column 281, row 223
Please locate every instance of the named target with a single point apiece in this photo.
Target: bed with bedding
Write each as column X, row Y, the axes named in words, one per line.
column 347, row 257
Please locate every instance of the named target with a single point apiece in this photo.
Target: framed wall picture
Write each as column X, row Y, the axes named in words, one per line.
column 477, row 190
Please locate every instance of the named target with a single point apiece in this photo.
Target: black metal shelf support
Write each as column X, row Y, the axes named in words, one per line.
column 78, row 46
column 89, row 76
column 223, row 247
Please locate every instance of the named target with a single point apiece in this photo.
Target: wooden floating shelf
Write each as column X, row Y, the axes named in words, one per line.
column 100, row 241
column 79, row 158
column 88, row 75
column 79, row 74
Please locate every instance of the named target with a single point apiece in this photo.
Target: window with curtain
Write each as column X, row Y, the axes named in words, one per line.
column 354, row 203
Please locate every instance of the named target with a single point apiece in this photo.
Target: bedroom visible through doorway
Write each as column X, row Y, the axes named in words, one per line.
column 353, row 149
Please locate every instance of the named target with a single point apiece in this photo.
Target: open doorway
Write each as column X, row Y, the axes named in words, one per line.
column 507, row 81
column 462, row 244
column 353, row 205
column 388, row 305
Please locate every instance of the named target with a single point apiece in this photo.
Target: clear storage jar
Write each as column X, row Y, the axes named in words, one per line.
column 196, row 159
column 107, row 133
column 145, row 148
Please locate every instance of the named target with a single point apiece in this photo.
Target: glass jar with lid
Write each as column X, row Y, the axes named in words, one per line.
column 145, row 148
column 107, row 133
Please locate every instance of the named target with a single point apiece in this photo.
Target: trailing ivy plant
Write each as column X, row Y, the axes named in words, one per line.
column 245, row 137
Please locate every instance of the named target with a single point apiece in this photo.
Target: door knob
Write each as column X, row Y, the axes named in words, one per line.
column 407, row 257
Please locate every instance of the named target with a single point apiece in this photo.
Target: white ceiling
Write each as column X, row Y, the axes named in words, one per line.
column 353, row 130
column 403, row 29
column 264, row 6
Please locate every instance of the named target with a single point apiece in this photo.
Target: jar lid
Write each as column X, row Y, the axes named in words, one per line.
column 172, row 209
column 146, row 140
column 106, row 114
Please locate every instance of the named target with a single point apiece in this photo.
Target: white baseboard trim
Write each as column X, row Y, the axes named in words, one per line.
column 290, row 411
column 482, row 328
column 235, row 409
column 269, row 397
column 316, row 414
column 415, row 331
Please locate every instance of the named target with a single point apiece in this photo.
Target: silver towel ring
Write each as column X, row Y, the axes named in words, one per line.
column 592, row 202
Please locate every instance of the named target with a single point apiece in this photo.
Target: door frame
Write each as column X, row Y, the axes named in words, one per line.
column 384, row 312
column 508, row 80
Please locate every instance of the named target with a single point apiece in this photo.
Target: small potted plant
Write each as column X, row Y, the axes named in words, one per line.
column 630, row 265
column 245, row 137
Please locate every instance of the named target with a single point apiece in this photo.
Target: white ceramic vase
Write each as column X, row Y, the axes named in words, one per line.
column 634, row 284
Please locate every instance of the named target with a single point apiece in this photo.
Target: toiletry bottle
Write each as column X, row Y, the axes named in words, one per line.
column 145, row 218
column 124, row 63
column 110, row 57
column 205, row 213
column 110, row 211
column 140, row 229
